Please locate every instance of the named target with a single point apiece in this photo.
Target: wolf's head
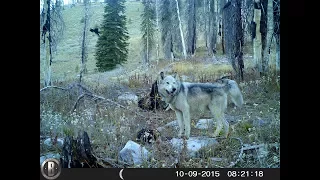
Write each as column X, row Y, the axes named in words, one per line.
column 168, row 85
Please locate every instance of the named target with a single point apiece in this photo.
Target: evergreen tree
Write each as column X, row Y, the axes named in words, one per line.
column 147, row 28
column 111, row 47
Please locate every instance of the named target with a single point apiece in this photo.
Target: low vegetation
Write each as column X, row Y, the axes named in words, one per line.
column 254, row 141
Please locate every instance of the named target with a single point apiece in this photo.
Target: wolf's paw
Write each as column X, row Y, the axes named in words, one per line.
column 186, row 136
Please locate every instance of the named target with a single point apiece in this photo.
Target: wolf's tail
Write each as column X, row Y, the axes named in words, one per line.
column 233, row 91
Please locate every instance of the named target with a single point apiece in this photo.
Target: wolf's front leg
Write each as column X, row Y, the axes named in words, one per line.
column 187, row 123
column 180, row 123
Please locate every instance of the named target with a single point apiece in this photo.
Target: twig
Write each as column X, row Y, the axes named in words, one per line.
column 47, row 87
column 95, row 97
column 87, row 163
column 253, row 147
column 76, row 103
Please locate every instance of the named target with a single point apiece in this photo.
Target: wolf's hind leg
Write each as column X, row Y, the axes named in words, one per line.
column 216, row 109
column 225, row 126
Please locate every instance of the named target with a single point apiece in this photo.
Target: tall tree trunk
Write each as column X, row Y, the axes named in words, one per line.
column 181, row 32
column 276, row 27
column 217, row 20
column 147, row 54
column 232, row 27
column 47, row 39
column 269, row 35
column 212, row 27
column 191, row 27
column 205, row 18
column 157, row 30
column 257, row 43
column 278, row 53
column 84, row 53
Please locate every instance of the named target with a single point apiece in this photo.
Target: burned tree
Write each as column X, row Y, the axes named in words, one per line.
column 233, row 35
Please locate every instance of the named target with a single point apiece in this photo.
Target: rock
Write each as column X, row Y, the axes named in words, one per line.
column 230, row 119
column 49, row 155
column 194, row 144
column 133, row 153
column 48, row 143
column 128, row 98
column 258, row 122
column 205, row 124
column 173, row 124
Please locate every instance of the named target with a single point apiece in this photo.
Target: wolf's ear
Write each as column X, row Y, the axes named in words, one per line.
column 175, row 74
column 162, row 75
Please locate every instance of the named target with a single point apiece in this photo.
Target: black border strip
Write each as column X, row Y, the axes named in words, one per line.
column 167, row 173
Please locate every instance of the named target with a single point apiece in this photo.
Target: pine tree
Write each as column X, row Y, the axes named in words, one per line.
column 111, row 47
column 147, row 28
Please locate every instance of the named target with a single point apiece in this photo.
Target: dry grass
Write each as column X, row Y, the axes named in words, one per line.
column 110, row 127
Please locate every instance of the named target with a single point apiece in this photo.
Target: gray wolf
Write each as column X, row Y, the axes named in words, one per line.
column 195, row 99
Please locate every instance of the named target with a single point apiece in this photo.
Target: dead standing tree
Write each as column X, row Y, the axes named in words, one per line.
column 233, row 35
column 46, row 35
column 51, row 31
column 84, row 53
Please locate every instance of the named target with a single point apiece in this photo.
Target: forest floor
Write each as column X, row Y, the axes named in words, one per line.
column 111, row 125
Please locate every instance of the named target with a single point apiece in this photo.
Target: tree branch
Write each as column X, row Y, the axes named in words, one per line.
column 47, row 87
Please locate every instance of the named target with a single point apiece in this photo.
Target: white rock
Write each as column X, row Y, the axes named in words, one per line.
column 48, row 143
column 128, row 98
column 49, row 155
column 133, row 153
column 194, row 144
column 205, row 124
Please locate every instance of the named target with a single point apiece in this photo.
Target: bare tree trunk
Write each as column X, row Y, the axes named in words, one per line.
column 257, row 43
column 84, row 53
column 217, row 19
column 232, row 27
column 157, row 31
column 276, row 27
column 266, row 50
column 147, row 59
column 47, row 39
column 181, row 32
column 212, row 27
column 205, row 23
column 278, row 53
column 191, row 27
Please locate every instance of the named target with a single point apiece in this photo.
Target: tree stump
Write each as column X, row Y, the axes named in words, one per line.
column 77, row 153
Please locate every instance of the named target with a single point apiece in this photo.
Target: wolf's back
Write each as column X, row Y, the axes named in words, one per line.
column 233, row 91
